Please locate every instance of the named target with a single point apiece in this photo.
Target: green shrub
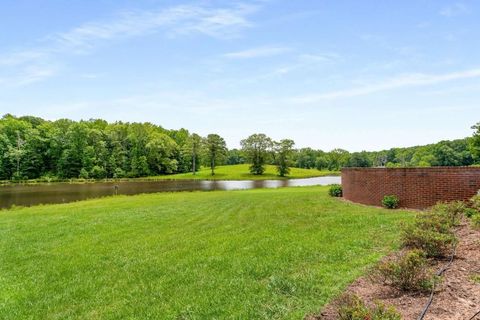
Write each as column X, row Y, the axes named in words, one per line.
column 335, row 190
column 435, row 221
column 351, row 307
column 118, row 173
column 470, row 212
column 475, row 278
column 407, row 272
column 475, row 202
column 390, row 201
column 452, row 211
column 476, row 220
column 83, row 174
column 434, row 243
column 432, row 229
column 98, row 172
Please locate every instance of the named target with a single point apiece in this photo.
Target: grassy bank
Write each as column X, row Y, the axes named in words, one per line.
column 241, row 172
column 256, row 254
column 233, row 172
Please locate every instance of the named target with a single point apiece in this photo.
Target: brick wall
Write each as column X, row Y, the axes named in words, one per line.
column 416, row 187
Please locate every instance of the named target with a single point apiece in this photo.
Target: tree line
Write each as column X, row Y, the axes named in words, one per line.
column 33, row 148
column 461, row 152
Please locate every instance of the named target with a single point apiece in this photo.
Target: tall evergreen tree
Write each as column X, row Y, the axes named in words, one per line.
column 215, row 150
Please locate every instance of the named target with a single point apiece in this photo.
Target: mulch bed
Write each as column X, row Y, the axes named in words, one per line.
column 457, row 297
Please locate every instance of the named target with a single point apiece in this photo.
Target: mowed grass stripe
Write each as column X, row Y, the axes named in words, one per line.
column 256, row 254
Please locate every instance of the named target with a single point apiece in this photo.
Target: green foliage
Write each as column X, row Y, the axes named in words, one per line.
column 390, row 201
column 118, row 173
column 215, row 150
column 406, row 272
column 475, row 202
column 191, row 154
column 476, row 220
column 257, row 149
column 253, row 253
column 359, row 159
column 474, row 144
column 432, row 231
column 470, row 212
column 283, row 151
column 451, row 212
column 31, row 148
column 83, row 174
column 351, row 307
column 242, row 172
column 475, row 278
column 321, row 163
column 98, row 172
column 307, row 157
column 435, row 244
column 335, row 190
column 235, row 156
column 338, row 158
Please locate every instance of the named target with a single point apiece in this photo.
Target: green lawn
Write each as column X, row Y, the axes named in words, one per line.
column 256, row 254
column 241, row 172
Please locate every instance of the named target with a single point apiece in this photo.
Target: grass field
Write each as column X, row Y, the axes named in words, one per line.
column 256, row 254
column 241, row 172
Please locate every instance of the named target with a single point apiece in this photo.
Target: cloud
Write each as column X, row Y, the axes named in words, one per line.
column 182, row 20
column 410, row 80
column 455, row 9
column 259, row 52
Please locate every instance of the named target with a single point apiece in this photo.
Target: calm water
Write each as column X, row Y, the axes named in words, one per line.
column 28, row 195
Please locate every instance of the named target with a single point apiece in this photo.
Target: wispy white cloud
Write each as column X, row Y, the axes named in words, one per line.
column 260, row 52
column 183, row 19
column 410, row 80
column 175, row 21
column 305, row 60
column 29, row 74
column 455, row 9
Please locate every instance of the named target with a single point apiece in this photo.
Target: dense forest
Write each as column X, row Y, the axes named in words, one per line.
column 33, row 148
column 444, row 153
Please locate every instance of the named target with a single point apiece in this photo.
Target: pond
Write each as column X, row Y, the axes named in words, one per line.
column 28, row 195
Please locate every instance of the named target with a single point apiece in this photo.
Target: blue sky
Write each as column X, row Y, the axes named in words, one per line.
column 350, row 74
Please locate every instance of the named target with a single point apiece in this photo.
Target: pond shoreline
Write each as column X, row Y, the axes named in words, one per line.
column 46, row 193
column 155, row 179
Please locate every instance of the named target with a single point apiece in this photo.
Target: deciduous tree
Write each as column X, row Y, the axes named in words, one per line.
column 283, row 152
column 256, row 148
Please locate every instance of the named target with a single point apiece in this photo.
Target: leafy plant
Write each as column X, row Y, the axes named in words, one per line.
column 470, row 212
column 83, row 174
column 475, row 278
column 407, row 272
column 335, row 190
column 451, row 210
column 432, row 230
column 390, row 201
column 435, row 244
column 476, row 220
column 434, row 221
column 351, row 307
column 475, row 202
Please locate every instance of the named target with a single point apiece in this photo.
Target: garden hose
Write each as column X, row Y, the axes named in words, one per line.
column 439, row 273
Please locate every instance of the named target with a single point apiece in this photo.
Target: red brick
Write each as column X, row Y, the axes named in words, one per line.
column 416, row 188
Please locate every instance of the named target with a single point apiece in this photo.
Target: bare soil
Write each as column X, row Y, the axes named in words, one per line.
column 457, row 297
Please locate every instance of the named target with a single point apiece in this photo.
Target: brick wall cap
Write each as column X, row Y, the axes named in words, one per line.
column 456, row 168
